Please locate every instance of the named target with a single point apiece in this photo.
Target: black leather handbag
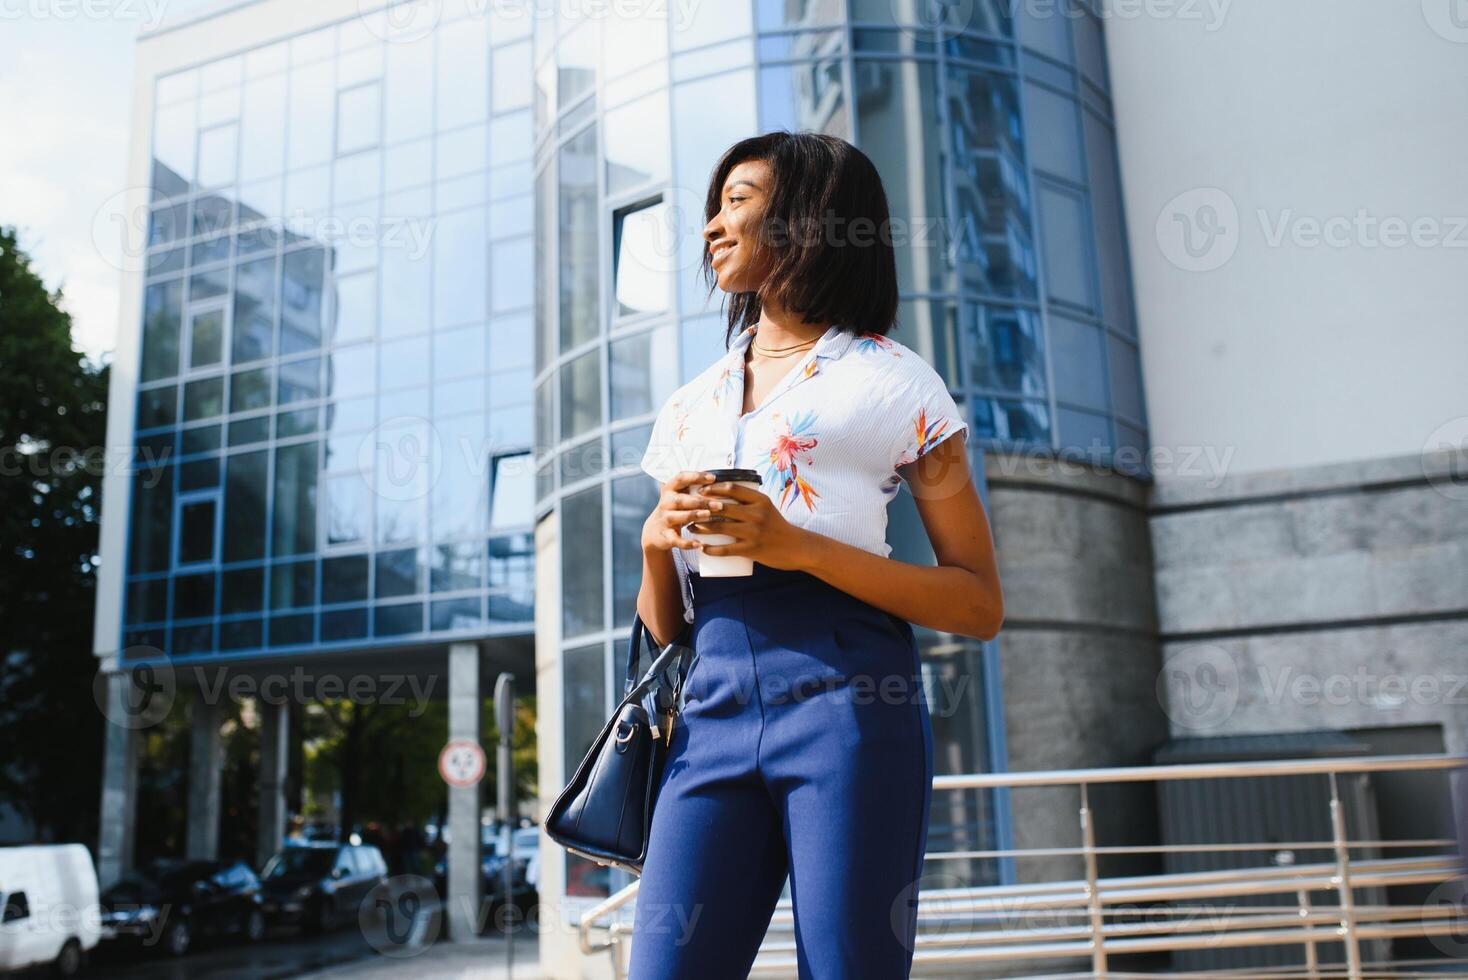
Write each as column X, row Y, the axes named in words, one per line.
column 605, row 811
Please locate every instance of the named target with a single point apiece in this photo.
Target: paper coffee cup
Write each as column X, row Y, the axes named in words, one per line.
column 726, row 566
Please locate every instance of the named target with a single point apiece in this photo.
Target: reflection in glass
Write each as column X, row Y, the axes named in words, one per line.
column 299, row 380
column 293, row 585
column 203, row 399
column 644, row 248
column 455, row 567
column 312, row 108
column 1006, row 349
column 254, row 310
column 249, row 390
column 348, row 510
column 512, row 491
column 218, row 154
column 637, row 143
column 397, row 573
column 301, row 290
column 343, row 579
column 581, row 563
column 295, row 499
column 897, row 114
column 459, row 262
column 995, row 253
column 162, row 311
column 806, row 95
column 581, row 395
column 578, row 239
column 1019, row 421
column 244, row 502
column 643, row 370
column 633, row 499
column 458, row 492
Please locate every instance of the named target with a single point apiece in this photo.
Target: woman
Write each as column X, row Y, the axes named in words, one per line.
column 805, row 746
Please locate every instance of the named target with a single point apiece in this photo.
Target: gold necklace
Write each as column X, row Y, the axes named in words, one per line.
column 782, row 351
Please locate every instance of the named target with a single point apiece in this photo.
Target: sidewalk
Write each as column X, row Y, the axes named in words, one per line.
column 480, row 959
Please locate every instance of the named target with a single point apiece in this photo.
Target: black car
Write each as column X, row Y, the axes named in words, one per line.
column 169, row 903
column 321, row 885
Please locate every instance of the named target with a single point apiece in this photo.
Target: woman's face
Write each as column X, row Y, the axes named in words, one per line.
column 732, row 232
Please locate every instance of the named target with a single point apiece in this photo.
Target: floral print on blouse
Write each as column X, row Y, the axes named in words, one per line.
column 827, row 439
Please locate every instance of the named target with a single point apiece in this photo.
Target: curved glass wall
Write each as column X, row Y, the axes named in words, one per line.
column 334, row 414
column 994, row 139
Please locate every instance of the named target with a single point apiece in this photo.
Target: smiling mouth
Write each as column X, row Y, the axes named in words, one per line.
column 719, row 252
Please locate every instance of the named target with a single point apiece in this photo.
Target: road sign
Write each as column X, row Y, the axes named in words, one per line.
column 462, row 762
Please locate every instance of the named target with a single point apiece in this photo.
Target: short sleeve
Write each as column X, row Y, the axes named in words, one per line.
column 923, row 413
column 661, row 459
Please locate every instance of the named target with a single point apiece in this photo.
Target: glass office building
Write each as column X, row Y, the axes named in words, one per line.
column 415, row 292
column 334, row 401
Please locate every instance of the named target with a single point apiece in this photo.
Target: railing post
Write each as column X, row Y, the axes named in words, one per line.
column 1093, row 890
column 1312, row 960
column 1343, row 877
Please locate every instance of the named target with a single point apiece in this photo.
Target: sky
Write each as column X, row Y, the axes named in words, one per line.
column 65, row 93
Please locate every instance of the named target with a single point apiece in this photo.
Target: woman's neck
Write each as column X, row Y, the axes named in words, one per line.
column 777, row 329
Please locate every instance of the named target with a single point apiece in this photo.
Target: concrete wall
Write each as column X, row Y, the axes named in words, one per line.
column 1079, row 647
column 1298, row 353
column 1327, row 598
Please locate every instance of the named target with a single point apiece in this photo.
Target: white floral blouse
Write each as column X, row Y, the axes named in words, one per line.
column 827, row 440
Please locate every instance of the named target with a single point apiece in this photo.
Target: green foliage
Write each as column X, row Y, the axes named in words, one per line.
column 53, row 407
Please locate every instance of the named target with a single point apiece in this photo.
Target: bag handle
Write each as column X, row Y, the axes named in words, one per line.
column 634, row 650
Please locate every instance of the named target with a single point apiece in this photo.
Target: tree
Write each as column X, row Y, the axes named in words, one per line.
column 53, row 437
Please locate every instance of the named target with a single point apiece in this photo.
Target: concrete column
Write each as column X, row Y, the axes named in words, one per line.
column 119, row 785
column 464, row 873
column 206, row 771
column 274, row 756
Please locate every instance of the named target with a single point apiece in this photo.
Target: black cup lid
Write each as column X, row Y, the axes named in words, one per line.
column 735, row 475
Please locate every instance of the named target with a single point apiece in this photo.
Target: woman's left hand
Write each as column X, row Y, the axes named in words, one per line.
column 759, row 530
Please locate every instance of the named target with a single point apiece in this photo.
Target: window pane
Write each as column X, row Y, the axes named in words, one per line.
column 899, row 129
column 243, row 590
column 513, row 275
column 193, row 596
column 313, row 94
column 511, row 86
column 254, row 310
column 293, row 585
column 348, row 510
column 203, row 399
column 512, row 493
column 456, row 567
column 249, row 390
column 581, row 563
column 459, row 250
column 295, row 499
column 1006, row 349
column 637, row 142
column 244, row 502
column 633, row 499
column 581, row 395
column 157, row 406
column 576, row 56
column 196, row 532
column 1111, row 245
column 1066, row 234
column 1054, row 132
column 578, row 240
column 404, row 363
column 397, row 573
column 218, row 154
column 804, row 96
column 644, row 369
column 1080, row 359
column 407, row 292
column 206, row 344
column 344, row 579
column 459, row 485
column 300, row 380
column 359, row 113
column 995, row 253
column 645, row 256
column 301, row 291
column 152, row 519
column 263, row 125
column 463, row 73
column 162, row 314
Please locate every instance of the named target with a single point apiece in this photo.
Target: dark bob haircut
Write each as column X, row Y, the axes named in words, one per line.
column 826, row 229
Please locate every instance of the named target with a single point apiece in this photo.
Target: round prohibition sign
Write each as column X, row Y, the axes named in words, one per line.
column 461, row 763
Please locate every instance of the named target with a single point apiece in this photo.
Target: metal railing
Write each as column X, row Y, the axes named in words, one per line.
column 1087, row 918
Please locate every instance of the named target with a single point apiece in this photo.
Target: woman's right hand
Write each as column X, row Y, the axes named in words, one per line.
column 663, row 529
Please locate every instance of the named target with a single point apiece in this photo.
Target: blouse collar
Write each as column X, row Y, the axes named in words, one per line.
column 730, row 383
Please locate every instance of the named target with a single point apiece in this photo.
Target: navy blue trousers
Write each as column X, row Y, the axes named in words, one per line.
column 804, row 749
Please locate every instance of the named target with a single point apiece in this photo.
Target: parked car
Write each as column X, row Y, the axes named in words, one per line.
column 525, row 867
column 46, row 892
column 169, row 903
column 318, row 886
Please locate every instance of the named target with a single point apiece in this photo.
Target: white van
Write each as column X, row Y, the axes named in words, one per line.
column 49, row 897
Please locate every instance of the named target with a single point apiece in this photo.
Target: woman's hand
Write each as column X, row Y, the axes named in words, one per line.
column 759, row 530
column 675, row 508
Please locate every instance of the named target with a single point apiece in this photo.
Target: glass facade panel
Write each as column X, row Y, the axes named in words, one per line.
column 581, row 566
column 643, row 250
column 578, row 240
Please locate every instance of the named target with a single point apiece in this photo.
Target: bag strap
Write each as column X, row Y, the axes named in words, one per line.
column 634, row 651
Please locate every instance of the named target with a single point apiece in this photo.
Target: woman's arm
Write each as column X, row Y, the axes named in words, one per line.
column 960, row 595
column 660, row 596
